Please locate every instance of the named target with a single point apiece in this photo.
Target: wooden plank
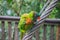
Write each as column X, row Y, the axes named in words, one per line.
column 9, row 31
column 44, row 32
column 3, row 31
column 30, row 38
column 52, row 32
column 53, row 21
column 12, row 18
column 58, row 33
column 16, row 31
column 37, row 34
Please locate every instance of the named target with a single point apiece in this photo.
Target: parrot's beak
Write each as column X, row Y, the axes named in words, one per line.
column 38, row 18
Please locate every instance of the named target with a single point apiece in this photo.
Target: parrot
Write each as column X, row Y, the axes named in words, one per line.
column 27, row 22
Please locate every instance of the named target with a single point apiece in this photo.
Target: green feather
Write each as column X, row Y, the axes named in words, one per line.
column 22, row 24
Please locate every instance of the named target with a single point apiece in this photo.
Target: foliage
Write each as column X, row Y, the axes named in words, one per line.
column 18, row 7
column 56, row 11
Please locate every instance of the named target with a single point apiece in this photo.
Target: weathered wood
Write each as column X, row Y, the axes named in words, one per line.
column 12, row 18
column 16, row 31
column 37, row 34
column 44, row 32
column 30, row 38
column 52, row 32
column 55, row 21
column 52, row 21
column 58, row 33
column 3, row 31
column 9, row 31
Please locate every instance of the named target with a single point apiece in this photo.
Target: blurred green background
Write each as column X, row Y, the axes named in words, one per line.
column 18, row 7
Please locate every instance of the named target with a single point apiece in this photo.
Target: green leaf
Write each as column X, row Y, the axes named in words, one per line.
column 9, row 1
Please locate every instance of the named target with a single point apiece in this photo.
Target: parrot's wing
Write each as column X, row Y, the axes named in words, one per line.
column 21, row 24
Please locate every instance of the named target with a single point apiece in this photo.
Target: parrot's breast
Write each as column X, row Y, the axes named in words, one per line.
column 28, row 21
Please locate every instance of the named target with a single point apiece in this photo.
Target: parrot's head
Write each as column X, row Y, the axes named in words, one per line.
column 35, row 16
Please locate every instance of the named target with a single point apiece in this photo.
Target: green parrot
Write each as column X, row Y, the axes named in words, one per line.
column 27, row 22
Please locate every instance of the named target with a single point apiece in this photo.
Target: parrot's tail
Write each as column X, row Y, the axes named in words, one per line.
column 22, row 35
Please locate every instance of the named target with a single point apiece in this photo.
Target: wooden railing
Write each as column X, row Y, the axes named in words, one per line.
column 9, row 19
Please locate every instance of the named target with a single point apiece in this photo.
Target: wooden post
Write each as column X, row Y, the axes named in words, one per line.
column 9, row 31
column 52, row 32
column 3, row 31
column 58, row 33
column 44, row 33
column 16, row 31
column 37, row 34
